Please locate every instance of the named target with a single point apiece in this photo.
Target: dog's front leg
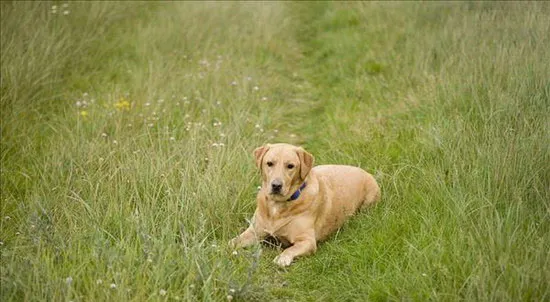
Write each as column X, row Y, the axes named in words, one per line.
column 302, row 247
column 249, row 237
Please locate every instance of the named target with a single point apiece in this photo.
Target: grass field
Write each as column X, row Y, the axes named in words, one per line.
column 128, row 129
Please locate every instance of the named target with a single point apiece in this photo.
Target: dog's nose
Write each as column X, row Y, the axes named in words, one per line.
column 276, row 186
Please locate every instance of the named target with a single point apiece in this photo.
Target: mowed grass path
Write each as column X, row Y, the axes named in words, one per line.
column 127, row 131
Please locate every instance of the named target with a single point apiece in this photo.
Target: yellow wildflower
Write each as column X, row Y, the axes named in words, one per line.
column 84, row 113
column 123, row 104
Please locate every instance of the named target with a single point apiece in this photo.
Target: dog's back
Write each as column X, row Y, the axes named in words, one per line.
column 345, row 190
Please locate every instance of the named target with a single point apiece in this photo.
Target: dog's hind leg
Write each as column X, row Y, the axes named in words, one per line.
column 373, row 194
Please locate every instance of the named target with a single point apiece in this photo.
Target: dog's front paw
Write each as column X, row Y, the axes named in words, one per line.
column 283, row 260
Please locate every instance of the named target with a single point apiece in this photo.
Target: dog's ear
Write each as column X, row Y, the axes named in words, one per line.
column 306, row 162
column 259, row 155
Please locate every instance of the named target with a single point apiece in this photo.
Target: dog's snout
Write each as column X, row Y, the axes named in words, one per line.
column 276, row 186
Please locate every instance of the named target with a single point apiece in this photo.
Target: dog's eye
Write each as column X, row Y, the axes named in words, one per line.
column 290, row 166
column 269, row 164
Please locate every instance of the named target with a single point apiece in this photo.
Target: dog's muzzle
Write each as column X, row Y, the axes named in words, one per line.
column 276, row 186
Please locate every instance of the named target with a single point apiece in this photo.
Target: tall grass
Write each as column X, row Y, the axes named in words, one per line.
column 127, row 130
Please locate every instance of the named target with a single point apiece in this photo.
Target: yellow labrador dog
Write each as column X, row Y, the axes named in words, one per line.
column 300, row 204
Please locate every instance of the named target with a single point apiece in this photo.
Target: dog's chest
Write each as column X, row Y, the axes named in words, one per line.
column 276, row 227
column 274, row 211
column 276, row 222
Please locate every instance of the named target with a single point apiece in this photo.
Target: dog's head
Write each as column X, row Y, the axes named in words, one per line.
column 284, row 168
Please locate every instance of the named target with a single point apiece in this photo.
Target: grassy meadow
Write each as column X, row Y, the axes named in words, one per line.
column 127, row 131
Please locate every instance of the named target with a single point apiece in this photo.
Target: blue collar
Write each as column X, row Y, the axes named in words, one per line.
column 297, row 193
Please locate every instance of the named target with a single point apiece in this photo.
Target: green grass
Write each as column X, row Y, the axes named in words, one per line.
column 112, row 172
